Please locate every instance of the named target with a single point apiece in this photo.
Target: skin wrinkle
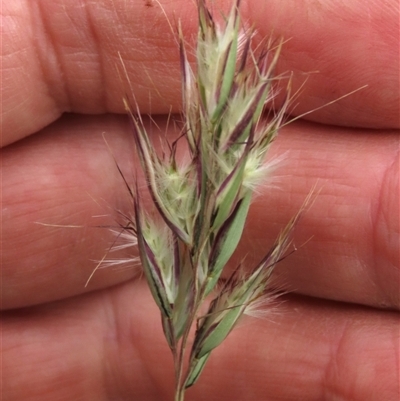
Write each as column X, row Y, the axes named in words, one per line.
column 53, row 73
column 384, row 37
column 99, row 57
column 396, row 347
column 122, row 336
column 146, row 359
column 77, row 46
column 158, row 49
column 329, row 388
column 110, row 372
column 331, row 67
column 372, row 273
column 380, row 215
column 15, row 51
column 339, row 211
column 341, row 359
column 57, row 369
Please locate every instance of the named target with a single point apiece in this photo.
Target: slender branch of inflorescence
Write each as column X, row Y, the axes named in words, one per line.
column 202, row 205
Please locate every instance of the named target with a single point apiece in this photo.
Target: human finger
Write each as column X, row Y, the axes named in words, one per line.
column 67, row 175
column 63, row 56
column 109, row 345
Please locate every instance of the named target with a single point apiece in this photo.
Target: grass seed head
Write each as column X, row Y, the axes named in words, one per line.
column 204, row 203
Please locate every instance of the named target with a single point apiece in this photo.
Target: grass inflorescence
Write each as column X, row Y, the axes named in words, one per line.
column 202, row 204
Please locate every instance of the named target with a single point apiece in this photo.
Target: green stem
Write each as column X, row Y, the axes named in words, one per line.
column 180, row 355
column 180, row 394
column 179, row 387
column 179, row 377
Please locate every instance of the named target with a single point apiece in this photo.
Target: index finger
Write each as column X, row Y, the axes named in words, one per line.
column 60, row 56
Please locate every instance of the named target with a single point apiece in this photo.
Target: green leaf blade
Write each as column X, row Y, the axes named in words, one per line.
column 227, row 241
column 195, row 369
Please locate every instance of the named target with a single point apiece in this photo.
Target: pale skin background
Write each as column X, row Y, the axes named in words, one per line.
column 336, row 338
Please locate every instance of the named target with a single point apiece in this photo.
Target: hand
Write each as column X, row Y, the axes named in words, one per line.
column 336, row 337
